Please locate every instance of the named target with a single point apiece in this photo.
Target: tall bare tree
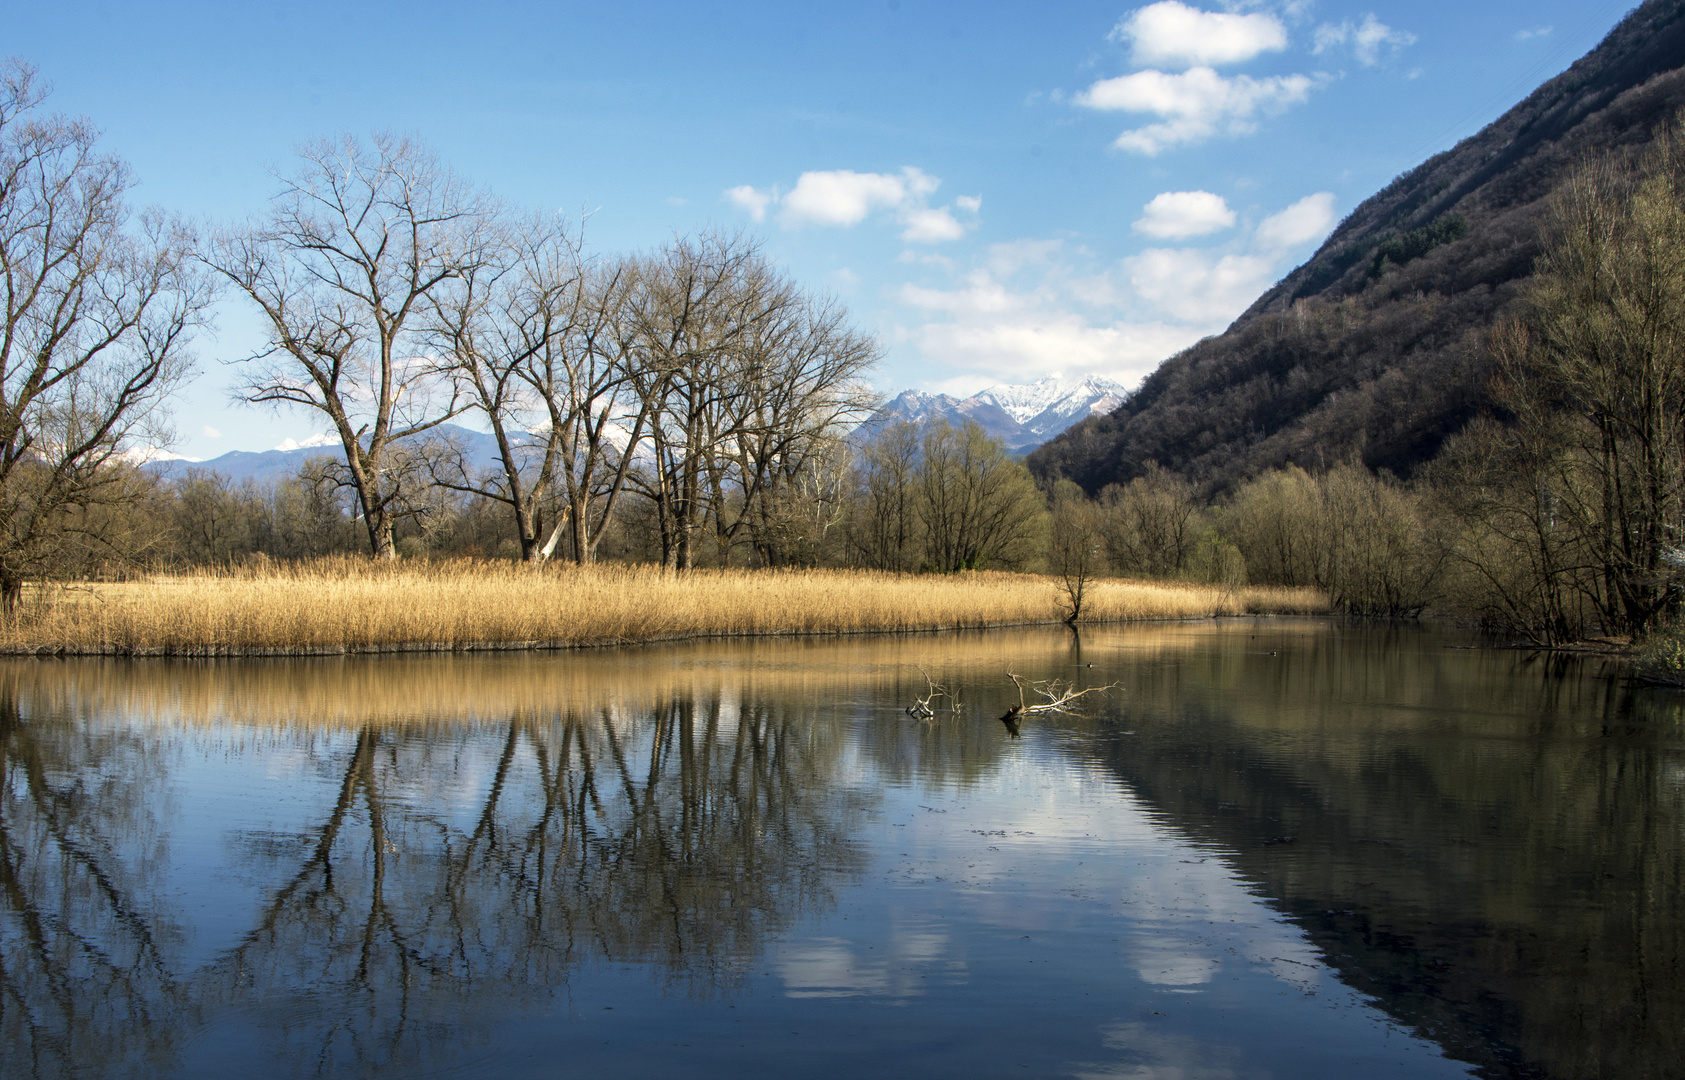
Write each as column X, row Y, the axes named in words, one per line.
column 518, row 308
column 534, row 342
column 97, row 315
column 748, row 383
column 884, row 525
column 358, row 240
column 687, row 319
column 801, row 370
column 979, row 507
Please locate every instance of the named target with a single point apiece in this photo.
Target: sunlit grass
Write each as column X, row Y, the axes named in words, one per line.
column 353, row 605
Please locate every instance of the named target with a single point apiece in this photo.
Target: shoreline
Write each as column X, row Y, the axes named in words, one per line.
column 425, row 648
column 353, row 607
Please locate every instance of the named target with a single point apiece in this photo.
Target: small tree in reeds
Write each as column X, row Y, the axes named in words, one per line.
column 1076, row 553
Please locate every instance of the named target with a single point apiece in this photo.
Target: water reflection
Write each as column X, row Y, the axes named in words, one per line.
column 83, row 957
column 456, row 871
column 396, row 865
column 1489, row 843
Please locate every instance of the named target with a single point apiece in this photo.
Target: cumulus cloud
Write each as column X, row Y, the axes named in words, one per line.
column 1199, row 287
column 842, row 198
column 1195, row 104
column 1367, row 39
column 1173, row 34
column 1014, row 335
column 1036, row 307
column 1175, row 215
column 928, row 226
column 1311, row 218
column 1025, row 312
column 751, row 200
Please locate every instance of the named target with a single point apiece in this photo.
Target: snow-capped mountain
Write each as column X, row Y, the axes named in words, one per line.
column 269, row 466
column 1023, row 416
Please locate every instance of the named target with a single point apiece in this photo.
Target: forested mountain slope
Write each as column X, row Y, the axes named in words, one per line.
column 1374, row 348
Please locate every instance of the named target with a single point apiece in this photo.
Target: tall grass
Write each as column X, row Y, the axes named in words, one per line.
column 353, row 605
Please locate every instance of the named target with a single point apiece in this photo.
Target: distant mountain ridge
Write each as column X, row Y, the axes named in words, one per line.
column 1374, row 348
column 1023, row 416
column 265, row 467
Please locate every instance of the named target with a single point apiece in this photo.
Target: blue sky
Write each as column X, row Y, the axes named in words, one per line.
column 999, row 191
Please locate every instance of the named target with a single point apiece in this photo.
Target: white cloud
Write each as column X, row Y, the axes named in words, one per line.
column 210, row 432
column 928, row 226
column 1309, row 219
column 1042, row 342
column 1173, row 215
column 1198, row 287
column 1367, row 38
column 1033, row 307
column 751, row 200
column 1533, row 32
column 1024, row 313
column 1174, row 34
column 842, row 198
column 1196, row 104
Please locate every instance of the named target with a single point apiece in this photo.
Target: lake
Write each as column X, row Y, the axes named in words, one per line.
column 1273, row 848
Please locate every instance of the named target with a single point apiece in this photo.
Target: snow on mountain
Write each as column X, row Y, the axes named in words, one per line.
column 270, row 466
column 1023, row 416
column 1048, row 406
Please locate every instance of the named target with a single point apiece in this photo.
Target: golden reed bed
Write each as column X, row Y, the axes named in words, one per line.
column 352, row 605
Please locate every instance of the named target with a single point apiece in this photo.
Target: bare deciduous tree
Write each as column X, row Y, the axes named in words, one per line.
column 358, row 240
column 97, row 316
column 1075, row 554
column 884, row 528
column 979, row 507
column 746, row 381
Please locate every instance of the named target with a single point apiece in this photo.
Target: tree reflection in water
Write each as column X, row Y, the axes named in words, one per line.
column 82, row 951
column 424, row 856
column 460, row 869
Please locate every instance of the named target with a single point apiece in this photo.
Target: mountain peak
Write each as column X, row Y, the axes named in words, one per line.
column 1022, row 415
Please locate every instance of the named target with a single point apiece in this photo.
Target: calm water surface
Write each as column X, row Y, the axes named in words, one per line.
column 1276, row 848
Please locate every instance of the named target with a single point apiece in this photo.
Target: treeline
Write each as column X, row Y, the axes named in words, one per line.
column 1557, row 513
column 934, row 498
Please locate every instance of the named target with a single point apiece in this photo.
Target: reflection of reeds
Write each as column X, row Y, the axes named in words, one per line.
column 341, row 693
column 353, row 605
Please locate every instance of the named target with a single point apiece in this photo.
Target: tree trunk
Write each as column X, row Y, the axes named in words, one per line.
column 11, row 593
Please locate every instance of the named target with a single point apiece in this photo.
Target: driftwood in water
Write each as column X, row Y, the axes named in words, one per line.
column 921, row 708
column 1056, row 695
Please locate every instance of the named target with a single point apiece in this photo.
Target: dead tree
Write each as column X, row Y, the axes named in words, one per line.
column 1056, row 695
column 921, row 708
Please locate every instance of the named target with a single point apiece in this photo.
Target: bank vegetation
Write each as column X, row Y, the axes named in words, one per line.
column 350, row 605
column 685, row 444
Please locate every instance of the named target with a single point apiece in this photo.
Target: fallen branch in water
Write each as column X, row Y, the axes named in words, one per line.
column 1056, row 694
column 921, row 708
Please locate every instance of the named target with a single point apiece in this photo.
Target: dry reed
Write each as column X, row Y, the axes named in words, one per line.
column 351, row 605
